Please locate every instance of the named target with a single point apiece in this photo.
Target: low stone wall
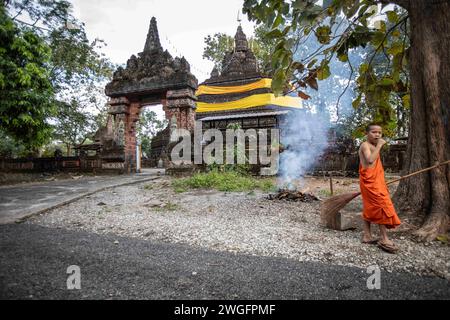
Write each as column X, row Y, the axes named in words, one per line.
column 348, row 164
column 73, row 164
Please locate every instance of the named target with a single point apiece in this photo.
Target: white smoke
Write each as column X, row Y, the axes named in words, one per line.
column 304, row 139
column 306, row 135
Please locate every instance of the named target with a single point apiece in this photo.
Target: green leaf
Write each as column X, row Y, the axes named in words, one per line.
column 299, row 4
column 386, row 82
column 396, row 48
column 377, row 38
column 363, row 68
column 275, row 33
column 406, row 99
column 323, row 34
column 396, row 33
column 278, row 20
column 285, row 62
column 285, row 9
column 343, row 57
column 278, row 81
column 356, row 103
column 350, row 7
column 311, row 64
column 323, row 72
column 381, row 25
column 285, row 31
column 392, row 16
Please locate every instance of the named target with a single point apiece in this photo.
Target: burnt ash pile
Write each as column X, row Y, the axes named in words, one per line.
column 293, row 195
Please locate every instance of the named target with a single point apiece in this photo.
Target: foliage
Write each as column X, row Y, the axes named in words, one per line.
column 223, row 181
column 291, row 23
column 72, row 69
column 73, row 124
column 10, row 148
column 217, row 46
column 25, row 88
column 149, row 126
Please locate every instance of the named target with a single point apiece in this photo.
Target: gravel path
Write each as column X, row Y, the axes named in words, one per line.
column 240, row 222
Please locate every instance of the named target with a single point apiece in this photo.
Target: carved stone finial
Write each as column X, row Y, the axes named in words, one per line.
column 152, row 42
column 215, row 72
column 240, row 40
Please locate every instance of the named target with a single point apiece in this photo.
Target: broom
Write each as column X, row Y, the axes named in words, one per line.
column 331, row 206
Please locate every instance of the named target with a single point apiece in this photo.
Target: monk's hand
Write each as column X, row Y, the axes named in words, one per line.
column 381, row 142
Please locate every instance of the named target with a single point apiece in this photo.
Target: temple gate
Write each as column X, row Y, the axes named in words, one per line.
column 151, row 78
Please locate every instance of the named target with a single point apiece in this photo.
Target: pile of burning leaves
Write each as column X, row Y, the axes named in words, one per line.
column 293, row 195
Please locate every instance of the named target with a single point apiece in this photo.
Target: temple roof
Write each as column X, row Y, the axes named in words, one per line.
column 240, row 89
column 238, row 65
column 153, row 70
column 240, row 40
column 152, row 42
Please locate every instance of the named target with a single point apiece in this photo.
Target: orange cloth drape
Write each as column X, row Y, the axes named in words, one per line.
column 377, row 204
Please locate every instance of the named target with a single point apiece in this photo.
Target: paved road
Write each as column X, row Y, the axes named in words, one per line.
column 20, row 201
column 34, row 262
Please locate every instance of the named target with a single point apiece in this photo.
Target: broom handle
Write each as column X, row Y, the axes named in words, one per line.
column 420, row 171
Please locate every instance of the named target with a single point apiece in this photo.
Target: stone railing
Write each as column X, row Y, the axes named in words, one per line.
column 50, row 164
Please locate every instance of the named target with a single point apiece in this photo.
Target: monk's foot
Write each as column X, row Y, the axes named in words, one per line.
column 388, row 246
column 367, row 238
column 386, row 242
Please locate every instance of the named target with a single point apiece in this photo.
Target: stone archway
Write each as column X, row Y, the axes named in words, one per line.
column 153, row 77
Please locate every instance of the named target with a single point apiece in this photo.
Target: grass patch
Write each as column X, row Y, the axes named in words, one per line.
column 169, row 206
column 325, row 193
column 148, row 186
column 223, row 181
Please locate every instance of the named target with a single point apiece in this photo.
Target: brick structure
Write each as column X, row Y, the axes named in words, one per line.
column 240, row 69
column 151, row 78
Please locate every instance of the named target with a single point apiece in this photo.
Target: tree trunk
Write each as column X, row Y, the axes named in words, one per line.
column 429, row 133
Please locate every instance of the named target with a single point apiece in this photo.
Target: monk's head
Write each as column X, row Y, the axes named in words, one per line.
column 374, row 132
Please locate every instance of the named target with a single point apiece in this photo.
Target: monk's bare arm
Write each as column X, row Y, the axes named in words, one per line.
column 370, row 155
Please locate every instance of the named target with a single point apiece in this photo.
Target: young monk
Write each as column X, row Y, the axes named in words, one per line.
column 377, row 205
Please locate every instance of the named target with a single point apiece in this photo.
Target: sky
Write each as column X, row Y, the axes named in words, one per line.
column 182, row 26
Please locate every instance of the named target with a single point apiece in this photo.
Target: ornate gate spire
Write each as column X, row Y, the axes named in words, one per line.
column 152, row 42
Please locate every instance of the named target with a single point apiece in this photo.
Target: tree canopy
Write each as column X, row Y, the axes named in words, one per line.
column 340, row 27
column 48, row 62
column 407, row 65
column 25, row 87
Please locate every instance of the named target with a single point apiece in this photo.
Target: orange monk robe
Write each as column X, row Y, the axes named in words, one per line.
column 377, row 204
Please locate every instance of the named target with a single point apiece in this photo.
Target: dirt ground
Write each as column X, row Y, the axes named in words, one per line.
column 247, row 222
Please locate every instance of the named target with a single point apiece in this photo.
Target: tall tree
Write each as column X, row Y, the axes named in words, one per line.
column 25, row 87
column 423, row 53
column 73, row 126
column 74, row 67
column 216, row 47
